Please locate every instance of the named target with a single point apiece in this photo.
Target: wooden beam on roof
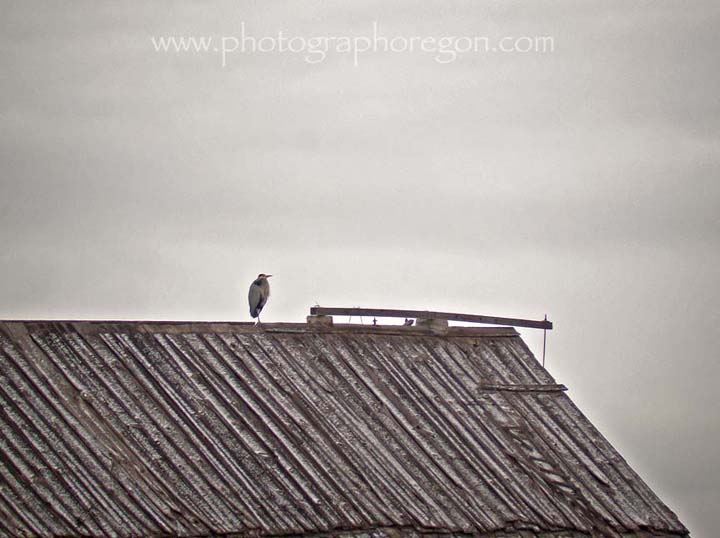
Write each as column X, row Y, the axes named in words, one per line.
column 426, row 314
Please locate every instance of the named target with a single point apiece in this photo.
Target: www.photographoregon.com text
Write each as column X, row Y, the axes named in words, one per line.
column 316, row 49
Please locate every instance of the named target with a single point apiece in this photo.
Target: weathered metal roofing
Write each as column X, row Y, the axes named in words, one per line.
column 196, row 429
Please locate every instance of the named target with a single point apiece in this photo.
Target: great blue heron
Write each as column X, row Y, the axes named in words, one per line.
column 258, row 295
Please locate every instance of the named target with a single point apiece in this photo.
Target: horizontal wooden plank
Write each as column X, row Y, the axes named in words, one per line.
column 489, row 387
column 427, row 314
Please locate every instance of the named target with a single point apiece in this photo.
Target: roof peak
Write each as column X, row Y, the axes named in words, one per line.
column 181, row 326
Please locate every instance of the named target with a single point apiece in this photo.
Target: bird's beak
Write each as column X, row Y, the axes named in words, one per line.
column 268, row 276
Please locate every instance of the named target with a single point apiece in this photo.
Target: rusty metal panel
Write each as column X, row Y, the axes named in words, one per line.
column 198, row 429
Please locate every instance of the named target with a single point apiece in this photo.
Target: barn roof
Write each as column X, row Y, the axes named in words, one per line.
column 200, row 429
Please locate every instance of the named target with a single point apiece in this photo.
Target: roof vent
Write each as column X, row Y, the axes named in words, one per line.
column 322, row 321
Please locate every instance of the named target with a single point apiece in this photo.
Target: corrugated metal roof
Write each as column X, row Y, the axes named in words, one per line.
column 195, row 429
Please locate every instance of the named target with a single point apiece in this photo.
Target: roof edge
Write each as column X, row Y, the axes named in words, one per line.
column 180, row 326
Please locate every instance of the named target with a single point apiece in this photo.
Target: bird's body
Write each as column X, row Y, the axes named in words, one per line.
column 258, row 295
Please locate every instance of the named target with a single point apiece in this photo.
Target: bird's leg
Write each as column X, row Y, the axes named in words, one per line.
column 258, row 321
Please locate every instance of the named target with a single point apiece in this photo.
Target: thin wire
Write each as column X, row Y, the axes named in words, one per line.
column 544, row 342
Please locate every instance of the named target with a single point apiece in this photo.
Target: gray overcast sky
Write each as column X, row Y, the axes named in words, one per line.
column 583, row 183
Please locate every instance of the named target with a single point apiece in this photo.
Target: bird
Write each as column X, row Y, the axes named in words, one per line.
column 258, row 295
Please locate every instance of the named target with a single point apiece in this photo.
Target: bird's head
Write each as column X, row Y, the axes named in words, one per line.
column 263, row 275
